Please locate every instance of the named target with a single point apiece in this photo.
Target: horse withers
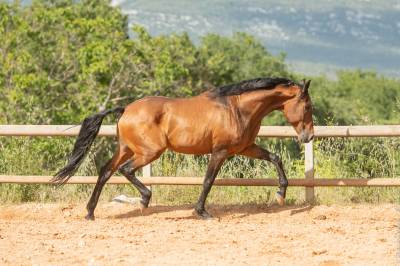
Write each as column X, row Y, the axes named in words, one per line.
column 222, row 122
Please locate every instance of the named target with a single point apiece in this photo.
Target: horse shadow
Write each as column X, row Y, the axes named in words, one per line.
column 218, row 211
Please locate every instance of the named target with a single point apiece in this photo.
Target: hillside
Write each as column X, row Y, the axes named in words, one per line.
column 318, row 37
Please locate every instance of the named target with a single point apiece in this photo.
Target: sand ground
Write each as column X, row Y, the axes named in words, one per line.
column 57, row 234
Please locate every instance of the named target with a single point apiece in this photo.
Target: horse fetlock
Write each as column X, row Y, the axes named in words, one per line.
column 146, row 196
column 203, row 214
column 198, row 208
column 144, row 203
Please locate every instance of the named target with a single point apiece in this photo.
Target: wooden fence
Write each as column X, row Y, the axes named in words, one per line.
column 266, row 131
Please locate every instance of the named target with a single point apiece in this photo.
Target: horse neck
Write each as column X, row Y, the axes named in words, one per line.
column 257, row 104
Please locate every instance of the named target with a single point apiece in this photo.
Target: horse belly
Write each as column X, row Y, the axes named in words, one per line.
column 188, row 125
column 190, row 142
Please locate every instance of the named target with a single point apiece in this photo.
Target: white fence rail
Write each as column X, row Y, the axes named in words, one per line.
column 266, row 131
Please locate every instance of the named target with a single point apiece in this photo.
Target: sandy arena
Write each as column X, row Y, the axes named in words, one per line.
column 57, row 234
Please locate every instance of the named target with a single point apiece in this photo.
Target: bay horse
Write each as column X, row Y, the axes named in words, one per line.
column 222, row 122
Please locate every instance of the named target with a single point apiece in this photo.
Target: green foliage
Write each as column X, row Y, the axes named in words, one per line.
column 357, row 97
column 64, row 59
column 57, row 57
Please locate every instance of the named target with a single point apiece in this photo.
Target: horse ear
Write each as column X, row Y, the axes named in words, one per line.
column 306, row 84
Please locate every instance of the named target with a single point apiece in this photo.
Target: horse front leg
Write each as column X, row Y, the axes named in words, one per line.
column 216, row 161
column 257, row 152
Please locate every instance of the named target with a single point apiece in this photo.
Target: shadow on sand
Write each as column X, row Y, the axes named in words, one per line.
column 217, row 211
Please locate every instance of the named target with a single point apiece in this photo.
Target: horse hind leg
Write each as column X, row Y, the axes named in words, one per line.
column 106, row 171
column 129, row 168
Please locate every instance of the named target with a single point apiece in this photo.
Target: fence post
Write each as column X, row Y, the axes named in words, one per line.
column 146, row 172
column 309, row 169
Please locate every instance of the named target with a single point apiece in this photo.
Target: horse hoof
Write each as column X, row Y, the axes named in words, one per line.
column 89, row 217
column 143, row 208
column 280, row 199
column 204, row 215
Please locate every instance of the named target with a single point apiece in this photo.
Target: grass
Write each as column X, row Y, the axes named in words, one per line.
column 335, row 158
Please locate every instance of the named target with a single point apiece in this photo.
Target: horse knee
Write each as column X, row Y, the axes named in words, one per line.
column 126, row 168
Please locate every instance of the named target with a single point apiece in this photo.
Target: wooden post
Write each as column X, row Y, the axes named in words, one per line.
column 309, row 169
column 146, row 172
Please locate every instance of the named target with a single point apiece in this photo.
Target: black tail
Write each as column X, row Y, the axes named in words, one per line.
column 88, row 132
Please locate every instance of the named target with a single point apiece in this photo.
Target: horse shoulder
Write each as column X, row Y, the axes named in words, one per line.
column 236, row 130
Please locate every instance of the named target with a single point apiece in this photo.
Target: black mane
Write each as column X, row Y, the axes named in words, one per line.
column 250, row 85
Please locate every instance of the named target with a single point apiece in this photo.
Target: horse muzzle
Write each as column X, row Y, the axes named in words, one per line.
column 305, row 137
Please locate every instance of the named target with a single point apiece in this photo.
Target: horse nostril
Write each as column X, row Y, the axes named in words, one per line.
column 311, row 137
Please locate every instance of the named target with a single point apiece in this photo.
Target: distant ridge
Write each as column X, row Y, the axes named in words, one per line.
column 319, row 35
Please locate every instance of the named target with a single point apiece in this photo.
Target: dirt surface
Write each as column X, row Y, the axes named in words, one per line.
column 57, row 234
